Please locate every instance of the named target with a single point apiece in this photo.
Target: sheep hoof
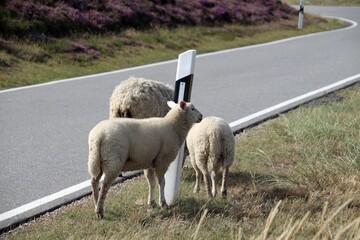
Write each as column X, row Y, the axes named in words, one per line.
column 152, row 205
column 150, row 210
column 163, row 205
column 99, row 214
column 224, row 194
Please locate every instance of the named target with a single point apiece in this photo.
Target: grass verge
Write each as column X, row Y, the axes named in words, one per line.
column 294, row 177
column 25, row 62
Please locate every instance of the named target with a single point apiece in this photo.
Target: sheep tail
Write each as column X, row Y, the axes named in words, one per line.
column 94, row 165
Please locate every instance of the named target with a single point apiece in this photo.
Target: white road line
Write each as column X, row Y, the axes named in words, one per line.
column 352, row 24
column 87, row 76
column 289, row 104
column 44, row 200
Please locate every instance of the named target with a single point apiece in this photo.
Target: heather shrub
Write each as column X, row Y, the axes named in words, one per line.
column 25, row 51
column 59, row 18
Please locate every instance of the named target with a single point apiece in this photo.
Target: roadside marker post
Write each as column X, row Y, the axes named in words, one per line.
column 183, row 85
column 301, row 14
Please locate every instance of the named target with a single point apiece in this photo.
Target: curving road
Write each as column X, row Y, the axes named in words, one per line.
column 44, row 128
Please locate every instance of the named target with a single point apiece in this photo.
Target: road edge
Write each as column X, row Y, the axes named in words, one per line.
column 290, row 104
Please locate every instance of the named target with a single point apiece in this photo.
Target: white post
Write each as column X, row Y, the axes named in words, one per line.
column 301, row 14
column 183, row 84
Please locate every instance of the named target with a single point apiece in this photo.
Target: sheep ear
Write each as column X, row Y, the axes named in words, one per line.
column 182, row 104
column 171, row 104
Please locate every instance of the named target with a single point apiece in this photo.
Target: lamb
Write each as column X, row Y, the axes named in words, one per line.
column 125, row 144
column 211, row 146
column 135, row 98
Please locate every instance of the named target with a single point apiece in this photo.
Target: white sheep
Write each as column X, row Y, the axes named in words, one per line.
column 125, row 144
column 140, row 98
column 211, row 146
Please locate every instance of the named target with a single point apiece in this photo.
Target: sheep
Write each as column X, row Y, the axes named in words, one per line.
column 140, row 98
column 211, row 147
column 125, row 144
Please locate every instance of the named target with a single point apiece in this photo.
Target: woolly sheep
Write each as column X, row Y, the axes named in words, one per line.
column 125, row 144
column 140, row 98
column 211, row 147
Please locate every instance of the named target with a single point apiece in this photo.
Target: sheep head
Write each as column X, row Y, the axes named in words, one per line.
column 188, row 107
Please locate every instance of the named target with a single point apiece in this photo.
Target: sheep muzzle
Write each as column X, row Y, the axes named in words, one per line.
column 200, row 118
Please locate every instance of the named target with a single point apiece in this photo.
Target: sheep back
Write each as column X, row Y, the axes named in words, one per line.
column 140, row 98
column 135, row 143
column 212, row 139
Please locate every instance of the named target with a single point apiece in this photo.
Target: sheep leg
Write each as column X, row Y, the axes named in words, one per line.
column 207, row 183
column 197, row 181
column 150, row 176
column 108, row 180
column 213, row 183
column 161, row 180
column 224, row 180
column 202, row 165
column 198, row 177
column 95, row 187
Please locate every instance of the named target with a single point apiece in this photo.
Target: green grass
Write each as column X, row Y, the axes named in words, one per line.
column 296, row 176
column 325, row 2
column 25, row 62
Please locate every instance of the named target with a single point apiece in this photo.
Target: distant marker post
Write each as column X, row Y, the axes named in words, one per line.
column 301, row 14
column 183, row 85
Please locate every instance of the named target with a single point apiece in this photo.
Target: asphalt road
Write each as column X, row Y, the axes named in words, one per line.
column 44, row 129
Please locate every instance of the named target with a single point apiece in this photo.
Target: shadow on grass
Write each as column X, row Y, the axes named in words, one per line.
column 249, row 195
column 234, row 178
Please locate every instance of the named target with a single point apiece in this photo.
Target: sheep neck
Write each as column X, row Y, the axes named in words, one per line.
column 179, row 123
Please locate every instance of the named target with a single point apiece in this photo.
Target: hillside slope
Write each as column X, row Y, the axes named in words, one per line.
column 59, row 18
